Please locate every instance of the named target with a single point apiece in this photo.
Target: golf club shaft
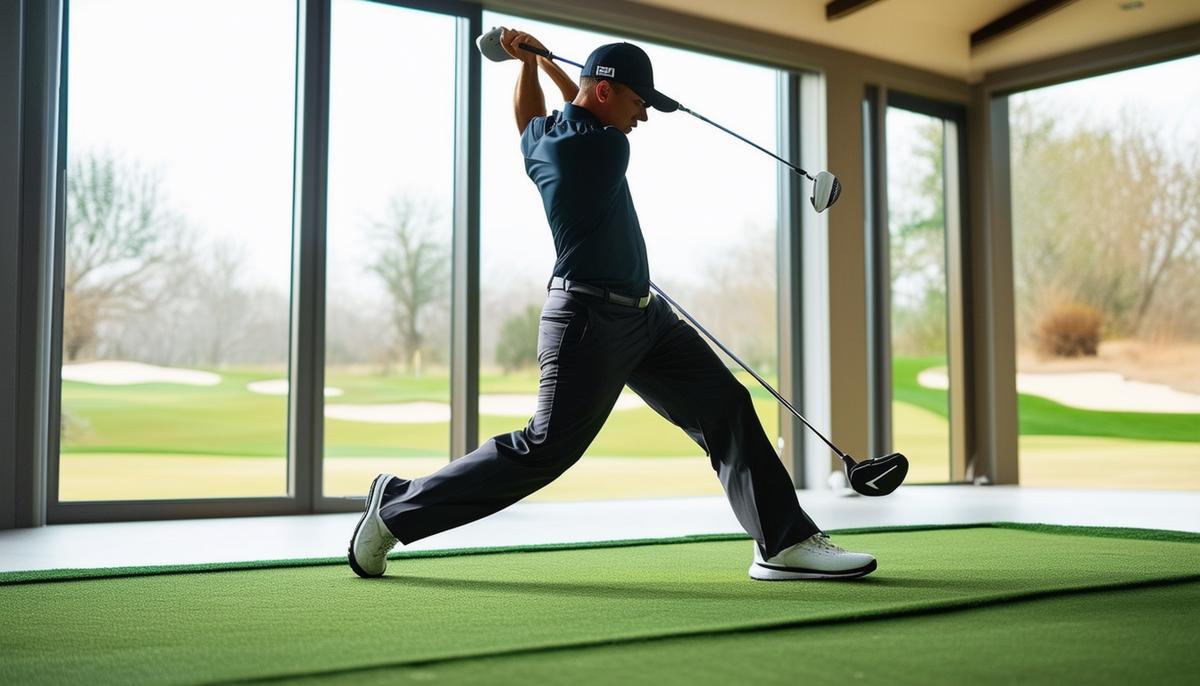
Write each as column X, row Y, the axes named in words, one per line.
column 745, row 366
column 742, row 138
column 701, row 117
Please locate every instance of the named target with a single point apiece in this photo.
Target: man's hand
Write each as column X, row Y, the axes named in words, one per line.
column 511, row 39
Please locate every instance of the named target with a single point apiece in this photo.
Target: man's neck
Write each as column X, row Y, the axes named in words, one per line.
column 586, row 103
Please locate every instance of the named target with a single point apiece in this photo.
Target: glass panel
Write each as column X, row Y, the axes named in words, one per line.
column 1106, row 268
column 178, row 249
column 390, row 196
column 917, row 262
column 707, row 206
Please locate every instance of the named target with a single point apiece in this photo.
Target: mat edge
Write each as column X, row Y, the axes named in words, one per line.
column 84, row 573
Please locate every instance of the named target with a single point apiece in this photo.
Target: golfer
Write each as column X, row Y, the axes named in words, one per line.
column 601, row 330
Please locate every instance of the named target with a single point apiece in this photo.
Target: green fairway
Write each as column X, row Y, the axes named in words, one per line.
column 181, row 426
column 1040, row 416
column 520, row 610
column 228, row 419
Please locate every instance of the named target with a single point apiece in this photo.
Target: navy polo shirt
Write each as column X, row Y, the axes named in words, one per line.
column 579, row 167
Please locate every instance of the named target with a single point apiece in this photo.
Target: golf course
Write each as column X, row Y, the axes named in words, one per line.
column 153, row 440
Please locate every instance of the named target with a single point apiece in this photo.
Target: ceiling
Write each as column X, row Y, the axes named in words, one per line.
column 936, row 34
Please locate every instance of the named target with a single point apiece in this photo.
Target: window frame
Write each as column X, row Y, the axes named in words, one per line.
column 306, row 349
column 876, row 102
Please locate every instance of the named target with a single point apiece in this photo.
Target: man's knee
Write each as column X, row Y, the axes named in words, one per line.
column 539, row 447
column 733, row 402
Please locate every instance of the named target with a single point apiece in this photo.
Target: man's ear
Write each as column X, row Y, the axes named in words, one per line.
column 604, row 91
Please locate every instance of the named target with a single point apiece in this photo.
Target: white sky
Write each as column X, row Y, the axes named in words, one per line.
column 209, row 102
column 1166, row 96
column 218, row 124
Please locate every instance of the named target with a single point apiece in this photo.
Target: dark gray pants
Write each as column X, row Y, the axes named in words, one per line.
column 589, row 350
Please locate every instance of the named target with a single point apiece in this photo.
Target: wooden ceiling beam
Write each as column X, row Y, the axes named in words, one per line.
column 841, row 8
column 1025, row 14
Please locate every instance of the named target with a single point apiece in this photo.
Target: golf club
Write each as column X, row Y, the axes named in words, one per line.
column 826, row 187
column 874, row 477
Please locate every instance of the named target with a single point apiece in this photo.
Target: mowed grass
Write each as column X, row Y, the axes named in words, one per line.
column 229, row 420
column 190, row 423
column 1059, row 446
column 151, row 476
column 1039, row 416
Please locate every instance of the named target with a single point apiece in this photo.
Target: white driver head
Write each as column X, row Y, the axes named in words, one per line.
column 826, row 189
column 489, row 45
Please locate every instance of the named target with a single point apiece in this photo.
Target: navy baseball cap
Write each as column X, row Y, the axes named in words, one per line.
column 628, row 64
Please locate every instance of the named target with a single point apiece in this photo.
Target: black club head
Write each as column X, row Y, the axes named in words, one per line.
column 879, row 476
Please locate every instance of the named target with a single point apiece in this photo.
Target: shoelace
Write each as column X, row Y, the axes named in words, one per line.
column 823, row 542
column 386, row 542
column 385, row 546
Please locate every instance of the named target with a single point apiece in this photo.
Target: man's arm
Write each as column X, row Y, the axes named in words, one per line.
column 565, row 83
column 528, row 100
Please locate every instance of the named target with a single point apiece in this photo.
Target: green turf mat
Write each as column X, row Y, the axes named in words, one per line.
column 44, row 575
column 258, row 623
column 1113, row 637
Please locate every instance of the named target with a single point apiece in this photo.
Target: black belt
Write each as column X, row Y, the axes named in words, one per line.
column 557, row 283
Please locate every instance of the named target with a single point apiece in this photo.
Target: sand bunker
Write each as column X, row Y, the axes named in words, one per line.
column 398, row 413
column 524, row 405
column 520, row 406
column 116, row 373
column 280, row 387
column 1092, row 391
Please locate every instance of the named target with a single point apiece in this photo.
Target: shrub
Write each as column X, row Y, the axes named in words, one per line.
column 1069, row 330
column 517, row 347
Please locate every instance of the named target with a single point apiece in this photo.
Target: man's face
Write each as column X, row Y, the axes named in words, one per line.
column 626, row 108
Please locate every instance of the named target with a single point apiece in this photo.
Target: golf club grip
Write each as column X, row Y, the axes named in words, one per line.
column 547, row 54
column 745, row 366
column 537, row 51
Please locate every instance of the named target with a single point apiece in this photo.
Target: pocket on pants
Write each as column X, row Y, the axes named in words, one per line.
column 558, row 328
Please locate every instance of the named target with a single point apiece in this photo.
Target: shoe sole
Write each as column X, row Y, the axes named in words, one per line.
column 761, row 573
column 373, row 498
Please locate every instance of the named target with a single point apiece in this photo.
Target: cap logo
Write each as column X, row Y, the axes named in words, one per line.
column 610, row 72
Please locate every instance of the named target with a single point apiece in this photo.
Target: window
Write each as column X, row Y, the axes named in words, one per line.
column 180, row 131
column 185, row 284
column 1106, row 271
column 917, row 320
column 388, row 262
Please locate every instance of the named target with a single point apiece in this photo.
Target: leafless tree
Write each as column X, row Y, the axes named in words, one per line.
column 737, row 300
column 121, row 244
column 223, row 305
column 1106, row 216
column 412, row 258
column 917, row 249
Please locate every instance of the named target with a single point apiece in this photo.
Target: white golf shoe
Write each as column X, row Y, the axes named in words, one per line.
column 372, row 540
column 813, row 558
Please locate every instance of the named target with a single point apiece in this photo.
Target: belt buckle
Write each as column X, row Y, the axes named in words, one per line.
column 643, row 301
